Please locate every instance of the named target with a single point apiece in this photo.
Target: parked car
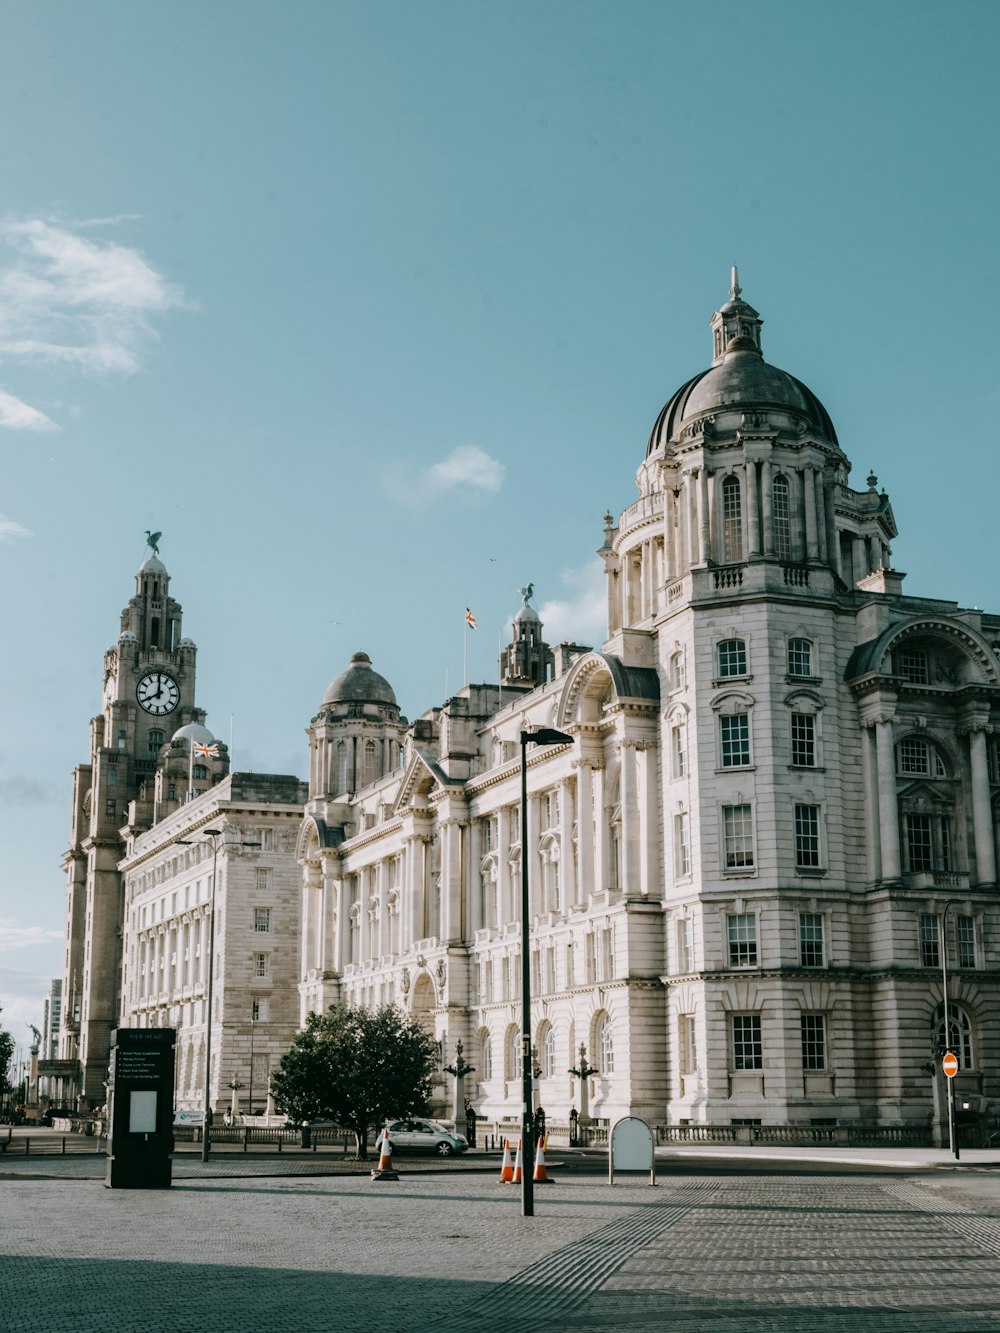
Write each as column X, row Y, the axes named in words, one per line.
column 425, row 1136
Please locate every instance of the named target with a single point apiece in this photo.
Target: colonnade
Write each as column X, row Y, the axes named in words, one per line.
column 155, row 974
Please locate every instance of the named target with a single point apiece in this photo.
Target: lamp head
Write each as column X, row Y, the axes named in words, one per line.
column 546, row 736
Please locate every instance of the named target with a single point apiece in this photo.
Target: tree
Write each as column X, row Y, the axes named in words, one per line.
column 6, row 1055
column 356, row 1066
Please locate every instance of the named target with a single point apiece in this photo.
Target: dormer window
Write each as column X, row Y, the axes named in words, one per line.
column 912, row 665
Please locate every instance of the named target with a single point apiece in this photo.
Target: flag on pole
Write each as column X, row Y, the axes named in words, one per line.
column 205, row 751
column 470, row 619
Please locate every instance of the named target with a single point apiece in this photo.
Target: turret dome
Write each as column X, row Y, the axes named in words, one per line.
column 194, row 733
column 359, row 684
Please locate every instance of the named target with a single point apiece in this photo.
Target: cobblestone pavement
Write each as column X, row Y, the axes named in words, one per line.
column 450, row 1253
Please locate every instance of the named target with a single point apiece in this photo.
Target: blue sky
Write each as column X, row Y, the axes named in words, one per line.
column 369, row 308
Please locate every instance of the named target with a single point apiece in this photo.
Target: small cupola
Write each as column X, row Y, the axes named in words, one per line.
column 736, row 325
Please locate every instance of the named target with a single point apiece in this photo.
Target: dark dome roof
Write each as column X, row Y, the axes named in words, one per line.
column 359, row 684
column 742, row 379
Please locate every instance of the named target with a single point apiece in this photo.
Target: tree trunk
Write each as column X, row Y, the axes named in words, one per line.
column 361, row 1140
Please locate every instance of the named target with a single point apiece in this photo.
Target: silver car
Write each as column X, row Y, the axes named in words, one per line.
column 425, row 1136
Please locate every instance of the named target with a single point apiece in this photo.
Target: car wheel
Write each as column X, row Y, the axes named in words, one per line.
column 444, row 1149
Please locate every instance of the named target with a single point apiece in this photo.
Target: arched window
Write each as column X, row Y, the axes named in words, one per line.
column 370, row 768
column 926, row 807
column 678, row 670
column 732, row 521
column 960, row 1039
column 604, row 1045
column 799, row 657
column 154, row 741
column 547, row 1048
column 486, row 1058
column 340, row 768
column 780, row 518
column 732, row 657
column 513, row 1053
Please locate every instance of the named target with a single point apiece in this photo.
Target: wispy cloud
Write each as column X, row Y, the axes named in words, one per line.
column 24, row 937
column 9, row 530
column 581, row 615
column 15, row 415
column 71, row 302
column 468, row 473
column 28, row 791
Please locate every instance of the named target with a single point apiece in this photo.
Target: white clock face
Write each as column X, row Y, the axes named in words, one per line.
column 157, row 693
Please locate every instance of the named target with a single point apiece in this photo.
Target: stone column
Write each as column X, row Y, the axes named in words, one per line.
column 888, row 813
column 630, row 818
column 343, row 923
column 503, row 866
column 704, row 506
column 584, row 884
column 797, row 513
column 450, row 930
column 753, row 508
column 982, row 810
column 600, row 879
column 869, row 768
column 530, row 849
column 649, row 854
column 809, row 497
column 473, row 875
column 365, row 893
column 567, row 867
column 767, row 497
column 859, row 559
column 820, row 513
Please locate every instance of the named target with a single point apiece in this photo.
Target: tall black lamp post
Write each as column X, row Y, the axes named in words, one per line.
column 949, row 1081
column 541, row 736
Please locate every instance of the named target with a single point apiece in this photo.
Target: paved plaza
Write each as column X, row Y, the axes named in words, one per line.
column 713, row 1246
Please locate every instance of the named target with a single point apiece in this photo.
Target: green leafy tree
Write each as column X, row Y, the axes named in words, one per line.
column 6, row 1055
column 356, row 1066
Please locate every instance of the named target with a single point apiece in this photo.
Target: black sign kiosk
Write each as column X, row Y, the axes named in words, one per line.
column 140, row 1108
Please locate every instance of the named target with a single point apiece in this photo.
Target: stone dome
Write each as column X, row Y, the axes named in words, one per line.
column 152, row 565
column 128, row 636
column 194, row 733
column 527, row 613
column 359, row 684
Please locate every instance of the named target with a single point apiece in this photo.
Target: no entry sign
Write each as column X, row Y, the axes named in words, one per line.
column 950, row 1064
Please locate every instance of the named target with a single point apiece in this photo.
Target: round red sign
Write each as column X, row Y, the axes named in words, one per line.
column 950, row 1064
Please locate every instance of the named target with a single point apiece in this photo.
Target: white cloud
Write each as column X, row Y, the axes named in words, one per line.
column 22, row 937
column 466, row 468
column 10, row 530
column 581, row 616
column 15, row 415
column 70, row 302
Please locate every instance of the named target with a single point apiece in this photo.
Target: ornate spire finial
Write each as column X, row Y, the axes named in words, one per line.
column 735, row 288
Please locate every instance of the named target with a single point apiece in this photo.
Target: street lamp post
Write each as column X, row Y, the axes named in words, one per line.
column 206, row 1130
column 541, row 736
column 952, row 1129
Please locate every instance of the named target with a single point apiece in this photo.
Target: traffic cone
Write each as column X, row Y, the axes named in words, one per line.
column 541, row 1176
column 518, row 1165
column 384, row 1169
column 506, row 1169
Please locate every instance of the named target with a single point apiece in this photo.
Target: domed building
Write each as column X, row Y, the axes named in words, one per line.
column 771, row 833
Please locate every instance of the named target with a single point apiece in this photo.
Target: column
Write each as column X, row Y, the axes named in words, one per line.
column 860, row 561
column 530, row 849
column 705, row 553
column 329, row 914
column 809, row 497
column 365, row 893
column 343, row 946
column 683, row 525
column 820, row 513
column 584, row 831
column 474, row 876
column 649, row 857
column 798, row 513
column 450, row 926
column 766, row 496
column 600, row 879
column 888, row 813
column 753, row 508
column 382, row 945
column 982, row 812
column 503, row 867
column 567, row 866
column 873, row 850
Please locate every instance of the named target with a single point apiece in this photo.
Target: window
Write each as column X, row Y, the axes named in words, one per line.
column 799, row 657
column 153, row 742
column 748, row 1051
column 780, row 524
column 732, row 655
column 260, row 1008
column 489, row 839
column 742, row 939
column 912, row 665
column 549, row 1053
column 590, row 953
column 171, row 791
column 960, row 1034
column 110, row 806
column 807, row 837
column 682, row 844
column 732, row 525
column 813, row 1041
column 200, row 771
column 685, row 944
column 915, row 755
column 514, row 1053
column 263, row 878
column 678, row 670
column 607, row 953
column 919, row 849
column 734, row 738
column 686, row 1043
column 122, row 738
column 804, row 740
column 811, row 951
column 550, row 809
column 605, row 1046
column 486, row 1058
column 369, row 771
column 737, row 829
column 265, row 836
column 678, row 749
column 965, row 941
column 262, row 920
column 262, row 964
column 113, row 775
column 930, row 943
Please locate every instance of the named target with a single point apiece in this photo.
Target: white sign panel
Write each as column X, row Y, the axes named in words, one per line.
column 631, row 1148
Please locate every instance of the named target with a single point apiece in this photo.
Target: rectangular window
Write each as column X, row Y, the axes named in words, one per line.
column 965, row 941
column 113, row 775
column 748, row 1051
column 607, row 954
column 262, row 964
column 732, row 657
column 919, row 850
column 263, row 879
column 911, row 664
column 734, row 734
column 686, row 1043
column 262, row 920
column 804, row 740
column 678, row 748
column 813, row 1041
column 737, row 825
column 811, row 951
column 682, row 845
column 487, row 827
column 260, row 1008
column 807, row 837
column 550, row 970
column 590, row 948
column 913, row 755
column 570, row 967
column 799, row 657
column 930, row 944
column 944, row 842
column 515, row 824
column 265, row 836
column 110, row 806
column 742, row 940
column 685, row 944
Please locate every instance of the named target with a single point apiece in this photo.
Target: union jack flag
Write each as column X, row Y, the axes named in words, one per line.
column 204, row 751
column 470, row 619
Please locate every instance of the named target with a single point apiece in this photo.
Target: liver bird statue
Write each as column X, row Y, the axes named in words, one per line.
column 152, row 541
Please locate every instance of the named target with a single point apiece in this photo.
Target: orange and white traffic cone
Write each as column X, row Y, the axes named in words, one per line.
column 506, row 1168
column 384, row 1169
column 541, row 1176
column 518, row 1165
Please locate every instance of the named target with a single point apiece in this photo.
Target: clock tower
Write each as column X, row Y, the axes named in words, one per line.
column 148, row 695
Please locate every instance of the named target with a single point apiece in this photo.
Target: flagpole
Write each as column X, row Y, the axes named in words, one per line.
column 190, row 765
column 230, row 742
column 466, row 661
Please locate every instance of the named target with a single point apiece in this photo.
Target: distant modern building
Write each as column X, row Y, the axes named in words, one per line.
column 51, row 1013
column 776, row 822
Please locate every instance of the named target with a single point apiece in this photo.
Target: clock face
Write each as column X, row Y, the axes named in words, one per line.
column 157, row 693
